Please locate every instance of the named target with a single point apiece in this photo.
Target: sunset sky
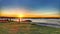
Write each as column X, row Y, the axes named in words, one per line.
column 30, row 8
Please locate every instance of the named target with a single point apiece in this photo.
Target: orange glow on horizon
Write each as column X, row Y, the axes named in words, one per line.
column 22, row 12
column 28, row 15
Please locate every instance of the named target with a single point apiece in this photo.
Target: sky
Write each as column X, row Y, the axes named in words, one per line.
column 45, row 8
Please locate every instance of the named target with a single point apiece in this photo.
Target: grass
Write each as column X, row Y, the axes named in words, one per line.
column 16, row 28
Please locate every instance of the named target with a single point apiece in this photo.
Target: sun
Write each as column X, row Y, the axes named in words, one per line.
column 20, row 15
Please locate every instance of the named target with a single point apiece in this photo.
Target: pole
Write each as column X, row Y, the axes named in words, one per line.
column 19, row 20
